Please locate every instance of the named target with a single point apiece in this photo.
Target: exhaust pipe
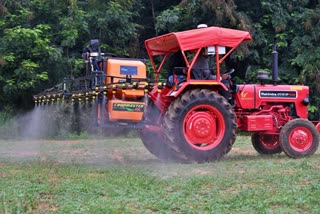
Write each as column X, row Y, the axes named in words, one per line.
column 275, row 69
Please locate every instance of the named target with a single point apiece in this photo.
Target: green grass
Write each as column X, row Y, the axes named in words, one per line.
column 119, row 176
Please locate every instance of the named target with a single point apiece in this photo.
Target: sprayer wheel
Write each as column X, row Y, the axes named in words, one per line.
column 201, row 125
column 266, row 144
column 299, row 138
column 154, row 141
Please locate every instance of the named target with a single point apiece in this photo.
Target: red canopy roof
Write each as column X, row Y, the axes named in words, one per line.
column 196, row 38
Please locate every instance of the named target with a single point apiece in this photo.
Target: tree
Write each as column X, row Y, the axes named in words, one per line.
column 54, row 33
column 295, row 26
column 41, row 41
column 24, row 54
column 113, row 23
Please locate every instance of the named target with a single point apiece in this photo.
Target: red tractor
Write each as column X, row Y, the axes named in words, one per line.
column 190, row 119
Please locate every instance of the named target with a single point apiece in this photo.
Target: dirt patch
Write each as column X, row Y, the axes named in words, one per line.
column 202, row 171
column 44, row 204
column 243, row 151
column 117, row 157
column 64, row 142
column 21, row 153
column 102, row 152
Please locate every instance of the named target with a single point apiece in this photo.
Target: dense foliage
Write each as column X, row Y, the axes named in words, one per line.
column 41, row 41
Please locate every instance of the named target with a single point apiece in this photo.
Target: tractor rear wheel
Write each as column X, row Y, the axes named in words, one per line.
column 299, row 138
column 154, row 141
column 266, row 144
column 153, row 137
column 200, row 124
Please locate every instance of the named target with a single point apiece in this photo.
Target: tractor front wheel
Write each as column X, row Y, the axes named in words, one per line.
column 266, row 144
column 299, row 138
column 201, row 125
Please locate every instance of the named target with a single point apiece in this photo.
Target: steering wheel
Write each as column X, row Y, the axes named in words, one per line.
column 230, row 72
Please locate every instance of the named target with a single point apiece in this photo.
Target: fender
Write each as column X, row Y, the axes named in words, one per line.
column 214, row 85
column 162, row 98
column 317, row 124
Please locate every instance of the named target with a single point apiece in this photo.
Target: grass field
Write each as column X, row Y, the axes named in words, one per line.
column 120, row 176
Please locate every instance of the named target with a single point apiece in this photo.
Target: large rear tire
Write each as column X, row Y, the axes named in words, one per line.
column 299, row 138
column 266, row 144
column 201, row 125
column 154, row 141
